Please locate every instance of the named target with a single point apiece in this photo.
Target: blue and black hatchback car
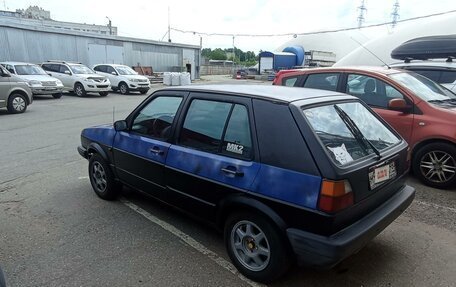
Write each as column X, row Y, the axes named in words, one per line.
column 287, row 174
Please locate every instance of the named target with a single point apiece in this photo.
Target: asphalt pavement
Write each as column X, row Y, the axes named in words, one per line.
column 54, row 230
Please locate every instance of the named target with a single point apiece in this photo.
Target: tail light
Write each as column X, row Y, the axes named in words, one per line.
column 335, row 195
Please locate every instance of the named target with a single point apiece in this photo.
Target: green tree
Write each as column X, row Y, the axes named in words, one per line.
column 206, row 52
column 218, row 54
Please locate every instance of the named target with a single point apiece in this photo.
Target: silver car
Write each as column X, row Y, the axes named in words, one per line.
column 15, row 94
column 38, row 80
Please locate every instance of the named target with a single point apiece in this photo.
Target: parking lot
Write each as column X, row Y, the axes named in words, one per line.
column 56, row 232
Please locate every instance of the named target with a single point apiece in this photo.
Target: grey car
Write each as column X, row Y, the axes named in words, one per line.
column 15, row 94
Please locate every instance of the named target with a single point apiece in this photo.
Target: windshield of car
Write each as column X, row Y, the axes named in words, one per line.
column 423, row 87
column 80, row 69
column 124, row 70
column 29, row 70
column 349, row 131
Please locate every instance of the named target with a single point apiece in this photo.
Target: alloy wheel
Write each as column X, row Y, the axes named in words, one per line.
column 18, row 104
column 438, row 166
column 99, row 177
column 250, row 245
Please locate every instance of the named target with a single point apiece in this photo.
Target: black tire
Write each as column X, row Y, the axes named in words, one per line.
column 101, row 178
column 103, row 94
column 17, row 103
column 123, row 88
column 143, row 92
column 435, row 165
column 57, row 96
column 279, row 258
column 79, row 90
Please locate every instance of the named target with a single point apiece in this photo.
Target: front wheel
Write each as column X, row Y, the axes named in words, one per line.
column 79, row 90
column 103, row 94
column 123, row 88
column 256, row 247
column 17, row 104
column 435, row 165
column 102, row 179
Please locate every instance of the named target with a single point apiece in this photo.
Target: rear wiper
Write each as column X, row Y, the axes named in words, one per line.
column 355, row 131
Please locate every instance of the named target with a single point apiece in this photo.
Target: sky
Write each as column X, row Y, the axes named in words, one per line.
column 149, row 19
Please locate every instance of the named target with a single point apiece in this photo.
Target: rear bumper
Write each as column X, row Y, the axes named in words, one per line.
column 322, row 251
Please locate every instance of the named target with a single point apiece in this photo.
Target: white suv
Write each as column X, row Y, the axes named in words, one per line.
column 123, row 78
column 78, row 78
column 38, row 80
column 440, row 71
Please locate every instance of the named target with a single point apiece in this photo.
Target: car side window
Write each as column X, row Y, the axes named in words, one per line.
column 237, row 140
column 204, row 124
column 290, row 81
column 10, row 69
column 63, row 69
column 447, row 77
column 155, row 119
column 324, row 81
column 110, row 69
column 217, row 127
column 431, row 74
column 372, row 91
column 100, row 68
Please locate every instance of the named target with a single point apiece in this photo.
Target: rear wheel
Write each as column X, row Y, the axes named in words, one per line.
column 17, row 104
column 256, row 247
column 123, row 88
column 102, row 179
column 435, row 165
column 79, row 90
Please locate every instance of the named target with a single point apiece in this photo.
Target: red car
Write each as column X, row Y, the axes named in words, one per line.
column 422, row 111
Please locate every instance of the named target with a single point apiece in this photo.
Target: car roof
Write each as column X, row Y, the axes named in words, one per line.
column 17, row 63
column 372, row 69
column 267, row 92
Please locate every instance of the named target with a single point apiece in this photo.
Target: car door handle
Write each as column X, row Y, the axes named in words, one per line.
column 156, row 150
column 232, row 171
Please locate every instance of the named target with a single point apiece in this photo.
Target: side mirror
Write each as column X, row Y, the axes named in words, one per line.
column 67, row 72
column 120, row 126
column 399, row 105
column 114, row 73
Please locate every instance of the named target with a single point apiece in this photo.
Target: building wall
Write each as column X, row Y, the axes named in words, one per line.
column 23, row 44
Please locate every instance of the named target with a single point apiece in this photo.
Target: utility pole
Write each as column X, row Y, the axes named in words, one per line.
column 395, row 13
column 169, row 26
column 362, row 10
column 109, row 25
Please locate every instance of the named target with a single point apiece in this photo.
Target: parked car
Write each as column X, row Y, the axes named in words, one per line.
column 78, row 78
column 39, row 81
column 440, row 71
column 15, row 94
column 244, row 158
column 422, row 111
column 123, row 78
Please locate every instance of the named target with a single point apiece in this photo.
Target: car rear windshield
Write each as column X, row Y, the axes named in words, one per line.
column 349, row 131
column 29, row 70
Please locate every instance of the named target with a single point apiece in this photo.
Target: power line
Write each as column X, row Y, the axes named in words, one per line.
column 310, row 33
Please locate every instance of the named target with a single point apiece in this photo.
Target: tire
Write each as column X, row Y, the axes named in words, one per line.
column 435, row 165
column 243, row 246
column 79, row 90
column 143, row 92
column 17, row 104
column 103, row 94
column 102, row 179
column 57, row 96
column 123, row 88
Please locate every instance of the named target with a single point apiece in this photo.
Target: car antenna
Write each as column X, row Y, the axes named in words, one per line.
column 378, row 58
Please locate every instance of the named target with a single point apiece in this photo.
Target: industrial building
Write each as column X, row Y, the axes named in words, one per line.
column 35, row 44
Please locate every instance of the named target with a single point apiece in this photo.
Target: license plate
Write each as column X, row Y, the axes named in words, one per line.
column 382, row 173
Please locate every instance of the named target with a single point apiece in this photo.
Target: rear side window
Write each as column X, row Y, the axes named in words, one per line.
column 349, row 131
column 447, row 77
column 290, row 81
column 430, row 74
column 51, row 67
column 100, row 68
column 324, row 81
column 217, row 127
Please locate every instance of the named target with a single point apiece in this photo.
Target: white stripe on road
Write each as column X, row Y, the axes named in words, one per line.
column 190, row 241
column 437, row 206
